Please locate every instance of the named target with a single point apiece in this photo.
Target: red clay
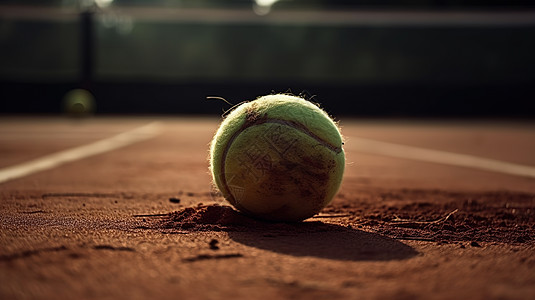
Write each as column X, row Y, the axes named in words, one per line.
column 144, row 221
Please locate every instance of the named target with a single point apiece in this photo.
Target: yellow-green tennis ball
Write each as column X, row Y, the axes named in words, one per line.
column 78, row 103
column 278, row 158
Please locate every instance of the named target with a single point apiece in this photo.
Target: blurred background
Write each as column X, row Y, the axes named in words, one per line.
column 406, row 58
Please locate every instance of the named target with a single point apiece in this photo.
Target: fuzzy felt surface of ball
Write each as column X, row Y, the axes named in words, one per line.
column 278, row 158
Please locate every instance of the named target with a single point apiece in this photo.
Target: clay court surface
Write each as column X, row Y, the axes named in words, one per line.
column 124, row 208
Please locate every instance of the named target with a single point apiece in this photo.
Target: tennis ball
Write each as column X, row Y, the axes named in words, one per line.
column 78, row 103
column 278, row 158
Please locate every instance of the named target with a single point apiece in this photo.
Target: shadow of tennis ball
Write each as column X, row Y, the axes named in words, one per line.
column 79, row 103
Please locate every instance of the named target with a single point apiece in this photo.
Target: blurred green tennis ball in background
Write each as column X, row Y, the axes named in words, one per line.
column 79, row 103
column 278, row 158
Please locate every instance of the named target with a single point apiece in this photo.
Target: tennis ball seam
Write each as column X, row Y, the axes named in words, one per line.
column 253, row 120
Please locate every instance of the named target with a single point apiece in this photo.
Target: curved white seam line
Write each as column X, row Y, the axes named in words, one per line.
column 56, row 159
column 436, row 156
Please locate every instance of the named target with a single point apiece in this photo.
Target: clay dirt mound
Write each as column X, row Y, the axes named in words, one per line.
column 429, row 215
column 443, row 216
column 217, row 217
column 208, row 218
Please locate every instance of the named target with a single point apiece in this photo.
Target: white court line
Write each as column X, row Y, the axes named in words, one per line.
column 435, row 156
column 56, row 159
